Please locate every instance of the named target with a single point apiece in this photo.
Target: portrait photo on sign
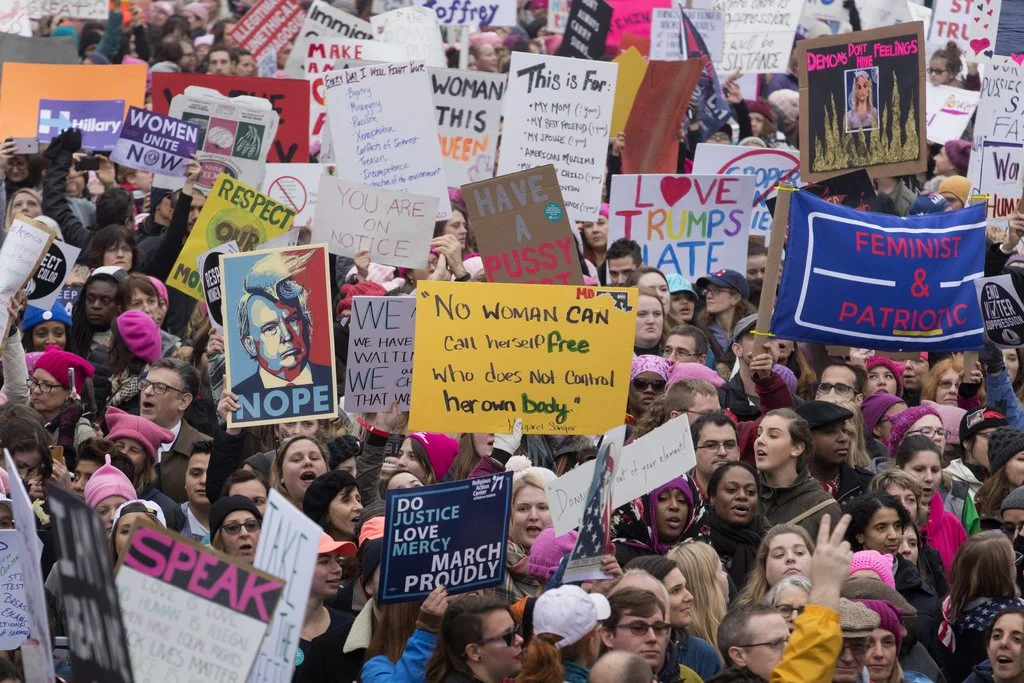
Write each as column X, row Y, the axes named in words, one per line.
column 861, row 96
column 862, row 103
column 280, row 335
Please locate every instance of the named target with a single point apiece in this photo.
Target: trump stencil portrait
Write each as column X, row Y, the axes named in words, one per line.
column 279, row 335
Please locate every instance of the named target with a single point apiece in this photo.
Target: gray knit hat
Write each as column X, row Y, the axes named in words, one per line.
column 1003, row 444
column 1014, row 500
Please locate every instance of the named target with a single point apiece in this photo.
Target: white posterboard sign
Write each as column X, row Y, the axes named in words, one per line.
column 758, row 35
column 949, row 22
column 295, row 186
column 379, row 365
column 417, row 30
column 324, row 20
column 24, row 248
column 711, row 26
column 558, row 111
column 468, row 109
column 949, row 110
column 14, row 618
column 666, row 35
column 999, row 113
column 1000, row 179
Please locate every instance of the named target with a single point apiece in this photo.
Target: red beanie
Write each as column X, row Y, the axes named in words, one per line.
column 359, row 289
column 762, row 108
column 58, row 362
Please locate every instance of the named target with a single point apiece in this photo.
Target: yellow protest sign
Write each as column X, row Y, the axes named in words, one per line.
column 556, row 356
column 233, row 211
column 632, row 67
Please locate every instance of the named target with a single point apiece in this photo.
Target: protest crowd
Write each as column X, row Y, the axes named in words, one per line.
column 623, row 341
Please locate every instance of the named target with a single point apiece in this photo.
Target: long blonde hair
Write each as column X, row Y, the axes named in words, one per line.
column 699, row 565
column 757, row 583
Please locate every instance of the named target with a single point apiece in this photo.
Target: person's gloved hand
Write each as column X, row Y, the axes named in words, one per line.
column 68, row 141
column 509, row 443
column 991, row 358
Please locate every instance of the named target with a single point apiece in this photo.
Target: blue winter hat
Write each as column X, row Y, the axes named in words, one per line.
column 35, row 316
column 928, row 203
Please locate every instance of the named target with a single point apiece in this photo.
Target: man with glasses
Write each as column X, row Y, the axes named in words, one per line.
column 844, row 380
column 753, row 637
column 829, row 464
column 975, row 428
column 757, row 384
column 167, row 391
column 637, row 624
column 686, row 344
column 857, row 623
column 716, row 442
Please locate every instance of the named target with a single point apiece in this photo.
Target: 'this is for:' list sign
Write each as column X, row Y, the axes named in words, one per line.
column 558, row 357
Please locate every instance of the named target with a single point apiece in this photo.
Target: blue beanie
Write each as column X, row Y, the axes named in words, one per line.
column 34, row 316
column 67, row 31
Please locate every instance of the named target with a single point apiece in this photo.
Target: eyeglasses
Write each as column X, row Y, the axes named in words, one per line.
column 929, row 432
column 840, row 389
column 778, row 644
column 936, row 72
column 45, row 387
column 509, row 637
column 640, row 628
column 680, row 352
column 641, row 384
column 712, row 291
column 701, row 413
column 787, row 610
column 159, row 388
column 857, row 646
column 716, row 446
column 235, row 528
column 947, row 385
column 119, row 249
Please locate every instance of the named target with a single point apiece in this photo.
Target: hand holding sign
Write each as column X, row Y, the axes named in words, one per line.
column 761, row 364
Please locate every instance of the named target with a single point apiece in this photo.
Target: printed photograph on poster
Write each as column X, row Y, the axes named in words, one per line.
column 275, row 304
column 845, row 120
column 861, row 95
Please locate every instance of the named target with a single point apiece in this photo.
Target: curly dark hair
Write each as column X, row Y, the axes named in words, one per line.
column 862, row 509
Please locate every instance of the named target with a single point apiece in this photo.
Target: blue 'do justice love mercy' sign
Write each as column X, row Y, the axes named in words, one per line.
column 883, row 282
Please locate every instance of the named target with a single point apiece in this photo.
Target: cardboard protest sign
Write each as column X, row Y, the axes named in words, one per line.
column 54, row 269
column 632, row 67
column 35, row 597
column 594, row 541
column 208, row 266
column 653, row 126
column 644, row 465
column 999, row 113
column 323, row 20
column 1000, row 179
column 949, row 111
column 690, row 225
column 95, row 10
column 99, row 121
column 14, row 628
column 469, row 12
column 380, row 351
column 1002, row 310
column 769, row 167
column 880, row 281
column 468, row 109
column 666, row 35
column 586, row 29
column 271, row 362
column 395, row 227
column 295, row 186
column 156, row 143
column 26, row 245
column 631, row 17
column 414, row 28
column 758, row 35
column 710, row 24
column 233, row 211
column 558, row 110
column 288, row 97
column 268, row 25
column 24, row 86
column 555, row 356
column 452, row 534
column 99, row 650
column 949, row 22
column 383, row 123
column 288, row 548
column 522, row 229
column 862, row 103
column 190, row 611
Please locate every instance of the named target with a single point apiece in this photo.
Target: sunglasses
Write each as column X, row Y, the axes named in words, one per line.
column 641, row 384
column 509, row 637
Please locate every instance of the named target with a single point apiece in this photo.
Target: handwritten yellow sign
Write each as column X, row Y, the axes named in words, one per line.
column 556, row 356
column 233, row 211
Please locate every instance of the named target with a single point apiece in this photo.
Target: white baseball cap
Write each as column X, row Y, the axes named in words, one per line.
column 570, row 612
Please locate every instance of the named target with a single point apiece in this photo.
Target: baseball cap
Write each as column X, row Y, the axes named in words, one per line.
column 729, row 279
column 677, row 284
column 328, row 546
column 570, row 612
column 928, row 203
column 978, row 419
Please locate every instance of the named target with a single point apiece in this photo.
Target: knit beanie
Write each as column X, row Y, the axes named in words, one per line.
column 57, row 362
column 951, row 417
column 762, row 108
column 956, row 185
column 547, row 552
column 140, row 334
column 896, row 368
column 161, row 289
column 874, row 407
column 199, row 10
column 1003, row 444
column 37, row 316
column 889, row 618
column 876, row 562
column 902, row 422
column 959, row 154
column 441, row 451
column 348, row 292
column 520, row 466
column 108, row 481
column 323, row 490
column 149, row 435
column 342, row 448
column 220, row 510
column 1014, row 500
column 681, row 371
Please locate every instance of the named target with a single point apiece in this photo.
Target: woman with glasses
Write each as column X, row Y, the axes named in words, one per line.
column 945, row 66
column 50, row 395
column 113, row 245
column 479, row 641
column 789, row 596
column 235, row 523
column 651, row 324
column 647, row 380
column 919, row 457
column 981, row 584
column 725, row 303
column 653, row 523
column 736, row 527
column 1006, row 470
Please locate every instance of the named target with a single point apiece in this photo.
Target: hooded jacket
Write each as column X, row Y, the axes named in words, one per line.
column 982, row 674
column 781, row 505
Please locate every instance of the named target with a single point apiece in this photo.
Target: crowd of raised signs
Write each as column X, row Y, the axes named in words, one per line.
column 213, row 469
